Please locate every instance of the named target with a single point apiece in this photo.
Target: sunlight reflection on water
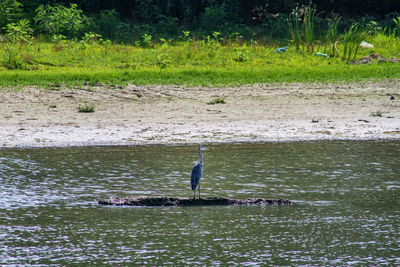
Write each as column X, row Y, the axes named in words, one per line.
column 346, row 205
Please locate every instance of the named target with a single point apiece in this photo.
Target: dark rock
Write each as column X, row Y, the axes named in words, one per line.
column 178, row 201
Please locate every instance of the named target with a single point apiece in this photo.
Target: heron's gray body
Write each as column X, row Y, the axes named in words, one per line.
column 197, row 173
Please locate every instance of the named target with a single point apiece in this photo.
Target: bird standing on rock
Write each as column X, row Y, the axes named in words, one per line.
column 197, row 173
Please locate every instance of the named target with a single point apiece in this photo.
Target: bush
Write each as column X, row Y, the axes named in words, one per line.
column 19, row 32
column 276, row 26
column 70, row 22
column 123, row 32
column 108, row 22
column 169, row 26
column 91, row 39
column 213, row 18
column 148, row 12
column 11, row 58
column 110, row 26
column 147, row 40
column 10, row 11
column 16, row 35
column 60, row 41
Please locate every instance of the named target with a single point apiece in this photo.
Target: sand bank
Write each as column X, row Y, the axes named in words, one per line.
column 137, row 115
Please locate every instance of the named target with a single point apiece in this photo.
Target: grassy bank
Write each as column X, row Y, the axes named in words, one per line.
column 205, row 62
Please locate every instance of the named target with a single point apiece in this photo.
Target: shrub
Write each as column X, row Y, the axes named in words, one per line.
column 60, row 41
column 276, row 25
column 163, row 60
column 146, row 41
column 124, row 32
column 16, row 35
column 91, row 38
column 10, row 11
column 11, row 58
column 14, row 57
column 70, row 22
column 19, row 32
column 108, row 23
column 168, row 26
column 213, row 18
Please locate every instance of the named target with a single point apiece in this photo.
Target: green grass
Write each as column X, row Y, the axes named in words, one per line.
column 219, row 100
column 187, row 63
column 86, row 108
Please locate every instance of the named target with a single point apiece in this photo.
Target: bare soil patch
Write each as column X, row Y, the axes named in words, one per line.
column 376, row 58
column 136, row 115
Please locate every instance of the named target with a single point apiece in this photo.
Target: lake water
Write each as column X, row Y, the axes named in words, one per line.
column 346, row 211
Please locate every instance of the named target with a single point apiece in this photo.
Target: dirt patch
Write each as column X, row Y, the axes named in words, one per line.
column 182, row 115
column 178, row 201
column 376, row 58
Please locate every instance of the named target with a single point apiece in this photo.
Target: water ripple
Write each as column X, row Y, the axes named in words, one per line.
column 345, row 193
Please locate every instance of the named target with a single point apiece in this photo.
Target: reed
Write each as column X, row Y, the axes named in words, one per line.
column 302, row 27
column 294, row 21
column 331, row 36
column 351, row 40
column 309, row 25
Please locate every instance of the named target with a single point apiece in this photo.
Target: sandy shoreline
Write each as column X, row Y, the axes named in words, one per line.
column 138, row 115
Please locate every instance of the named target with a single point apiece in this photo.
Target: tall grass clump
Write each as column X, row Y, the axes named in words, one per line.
column 309, row 27
column 331, row 36
column 87, row 108
column 11, row 58
column 351, row 41
column 302, row 27
column 294, row 20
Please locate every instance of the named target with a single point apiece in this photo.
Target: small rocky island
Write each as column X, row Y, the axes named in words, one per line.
column 180, row 201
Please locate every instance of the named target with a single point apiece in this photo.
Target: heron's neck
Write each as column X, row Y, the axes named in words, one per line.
column 201, row 157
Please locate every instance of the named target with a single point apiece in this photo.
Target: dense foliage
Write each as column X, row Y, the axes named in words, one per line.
column 232, row 11
column 199, row 42
column 128, row 20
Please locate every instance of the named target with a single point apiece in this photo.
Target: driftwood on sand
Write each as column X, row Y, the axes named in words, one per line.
column 180, row 201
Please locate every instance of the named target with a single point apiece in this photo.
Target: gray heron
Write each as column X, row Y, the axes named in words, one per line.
column 197, row 173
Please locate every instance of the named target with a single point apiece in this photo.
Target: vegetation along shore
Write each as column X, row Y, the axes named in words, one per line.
column 244, row 71
column 58, row 44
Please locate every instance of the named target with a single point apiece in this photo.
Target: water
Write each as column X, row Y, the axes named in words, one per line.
column 346, row 194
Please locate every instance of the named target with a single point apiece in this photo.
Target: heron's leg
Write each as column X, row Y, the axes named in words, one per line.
column 194, row 194
column 199, row 190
